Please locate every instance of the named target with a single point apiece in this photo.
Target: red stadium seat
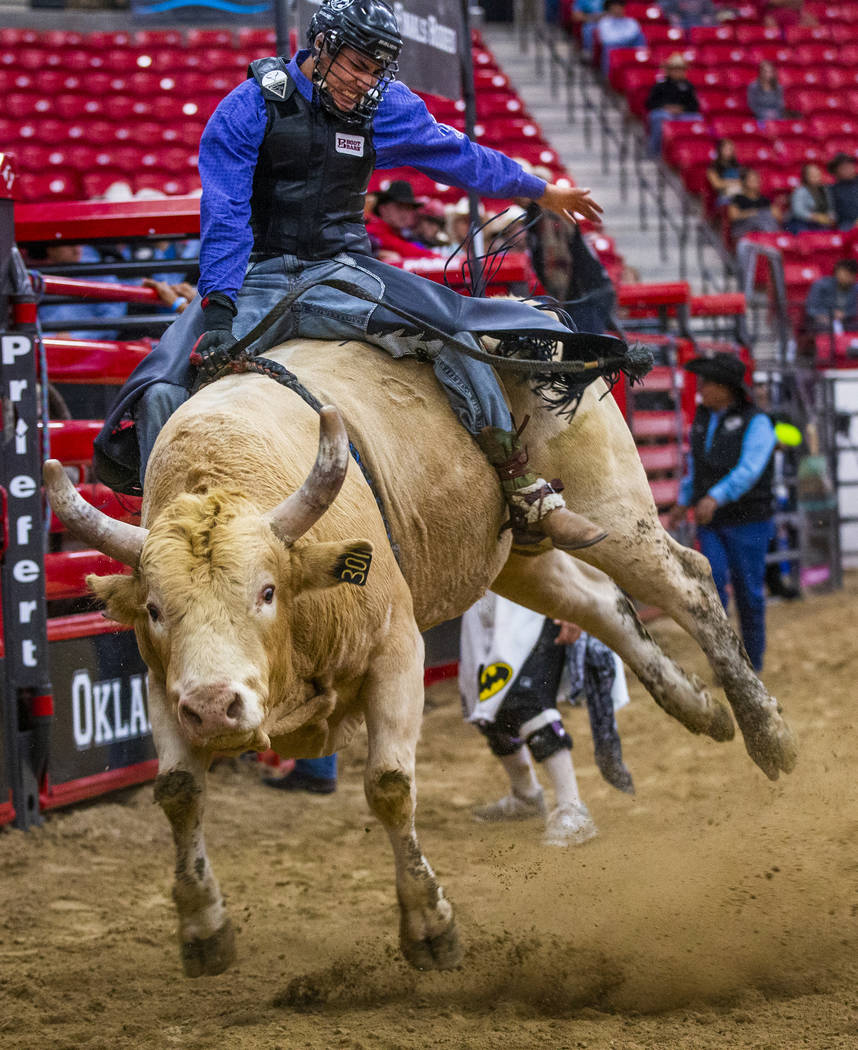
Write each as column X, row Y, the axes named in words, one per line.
column 756, row 34
column 53, row 186
column 786, row 128
column 32, row 156
column 675, row 132
column 492, row 104
column 727, row 126
column 104, row 40
column 83, row 158
column 699, row 35
column 815, row 55
column 637, row 84
column 797, row 150
column 169, row 184
column 12, row 37
column 840, row 144
column 623, row 59
column 78, row 107
column 157, row 38
column 209, row 38
column 96, row 183
column 645, row 13
column 714, row 101
column 830, row 125
column 661, row 33
column 252, row 36
column 806, row 34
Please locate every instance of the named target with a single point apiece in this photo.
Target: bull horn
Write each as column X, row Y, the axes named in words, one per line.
column 116, row 539
column 300, row 511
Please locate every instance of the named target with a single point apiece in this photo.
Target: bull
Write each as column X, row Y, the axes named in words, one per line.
column 271, row 608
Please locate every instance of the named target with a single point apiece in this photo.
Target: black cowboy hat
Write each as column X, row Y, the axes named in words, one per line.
column 399, row 192
column 726, row 369
column 838, row 159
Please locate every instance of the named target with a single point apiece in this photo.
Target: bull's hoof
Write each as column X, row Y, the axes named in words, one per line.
column 721, row 726
column 773, row 746
column 211, row 956
column 442, row 952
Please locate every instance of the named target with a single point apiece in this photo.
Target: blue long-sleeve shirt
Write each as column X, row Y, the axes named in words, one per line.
column 404, row 133
column 757, row 446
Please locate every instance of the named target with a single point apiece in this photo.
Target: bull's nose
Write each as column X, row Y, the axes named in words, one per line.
column 211, row 713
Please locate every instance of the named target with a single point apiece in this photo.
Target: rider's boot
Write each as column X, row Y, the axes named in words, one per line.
column 537, row 511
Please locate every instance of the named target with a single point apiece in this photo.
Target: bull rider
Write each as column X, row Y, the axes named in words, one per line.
column 285, row 161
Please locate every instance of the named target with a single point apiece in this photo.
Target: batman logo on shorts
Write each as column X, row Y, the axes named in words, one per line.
column 493, row 678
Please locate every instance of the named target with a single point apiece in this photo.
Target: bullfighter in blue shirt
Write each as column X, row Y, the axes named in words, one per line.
column 728, row 481
column 285, row 161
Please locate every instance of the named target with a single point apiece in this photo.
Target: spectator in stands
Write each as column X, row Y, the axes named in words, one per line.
column 672, row 98
column 60, row 318
column 459, row 221
column 429, row 226
column 724, row 174
column 728, row 482
column 832, row 302
column 844, row 192
column 690, row 13
column 811, row 206
column 587, row 13
column 784, row 13
column 390, row 228
column 749, row 211
column 617, row 29
column 765, row 94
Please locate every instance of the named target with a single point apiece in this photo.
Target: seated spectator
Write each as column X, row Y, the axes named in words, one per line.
column 459, row 222
column 832, row 302
column 617, row 29
column 587, row 13
column 749, row 211
column 765, row 94
column 673, row 98
column 810, row 205
column 429, row 225
column 783, row 13
column 844, row 192
column 724, row 174
column 689, row 13
column 390, row 226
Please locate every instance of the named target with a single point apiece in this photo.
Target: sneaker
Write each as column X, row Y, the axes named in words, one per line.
column 569, row 825
column 298, row 780
column 511, row 807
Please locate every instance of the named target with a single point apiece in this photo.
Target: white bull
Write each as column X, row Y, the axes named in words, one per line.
column 264, row 626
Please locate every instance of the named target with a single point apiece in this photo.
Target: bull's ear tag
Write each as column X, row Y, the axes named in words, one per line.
column 353, row 565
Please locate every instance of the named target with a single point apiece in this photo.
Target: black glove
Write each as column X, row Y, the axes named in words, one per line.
column 213, row 350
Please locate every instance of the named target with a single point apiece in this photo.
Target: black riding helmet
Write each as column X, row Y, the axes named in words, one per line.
column 367, row 26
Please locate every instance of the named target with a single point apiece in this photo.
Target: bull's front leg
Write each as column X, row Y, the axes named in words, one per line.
column 394, row 708
column 206, row 937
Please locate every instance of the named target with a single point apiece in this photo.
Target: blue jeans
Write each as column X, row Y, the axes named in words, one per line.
column 472, row 387
column 318, row 767
column 737, row 554
column 657, row 118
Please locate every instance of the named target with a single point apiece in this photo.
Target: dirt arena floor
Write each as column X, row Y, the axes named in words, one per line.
column 714, row 910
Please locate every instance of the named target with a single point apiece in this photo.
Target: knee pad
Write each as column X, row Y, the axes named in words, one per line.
column 545, row 735
column 501, row 743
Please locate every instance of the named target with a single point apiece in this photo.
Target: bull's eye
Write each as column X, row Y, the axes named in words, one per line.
column 268, row 594
column 154, row 612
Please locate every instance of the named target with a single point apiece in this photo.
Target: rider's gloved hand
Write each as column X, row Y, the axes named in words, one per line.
column 214, row 348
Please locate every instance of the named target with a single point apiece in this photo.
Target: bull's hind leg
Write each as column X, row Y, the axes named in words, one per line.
column 393, row 697
column 651, row 566
column 557, row 586
column 206, row 937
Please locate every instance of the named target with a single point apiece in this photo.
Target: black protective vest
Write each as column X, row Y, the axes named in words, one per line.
column 710, row 467
column 311, row 176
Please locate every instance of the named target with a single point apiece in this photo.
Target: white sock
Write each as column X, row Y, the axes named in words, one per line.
column 522, row 775
column 559, row 767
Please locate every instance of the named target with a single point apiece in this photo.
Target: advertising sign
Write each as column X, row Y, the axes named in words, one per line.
column 101, row 720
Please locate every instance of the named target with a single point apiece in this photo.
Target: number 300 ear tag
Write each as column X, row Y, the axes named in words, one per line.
column 353, row 566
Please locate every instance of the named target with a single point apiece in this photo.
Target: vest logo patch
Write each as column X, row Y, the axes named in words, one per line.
column 352, row 144
column 733, row 423
column 275, row 81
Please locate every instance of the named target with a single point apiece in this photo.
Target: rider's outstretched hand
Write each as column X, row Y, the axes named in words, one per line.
column 572, row 202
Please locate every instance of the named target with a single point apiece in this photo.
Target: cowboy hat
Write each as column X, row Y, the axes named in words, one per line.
column 723, row 368
column 398, row 192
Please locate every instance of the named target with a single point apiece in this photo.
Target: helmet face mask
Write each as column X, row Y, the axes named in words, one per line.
column 357, row 36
